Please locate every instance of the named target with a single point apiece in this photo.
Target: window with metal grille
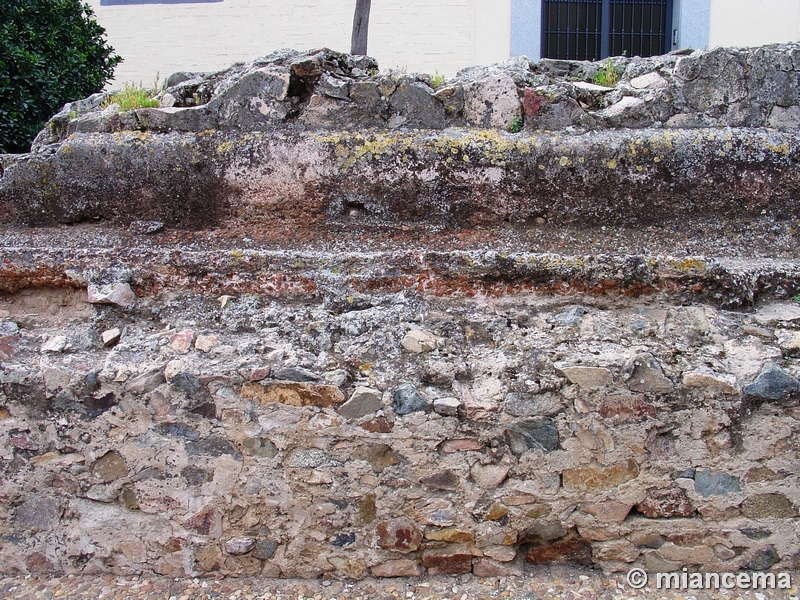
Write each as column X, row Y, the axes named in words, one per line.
column 595, row 29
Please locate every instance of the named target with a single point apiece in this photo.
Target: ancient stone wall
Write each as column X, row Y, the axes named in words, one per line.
column 247, row 334
column 393, row 434
column 303, row 138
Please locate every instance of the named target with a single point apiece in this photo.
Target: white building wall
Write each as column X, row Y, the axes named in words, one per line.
column 690, row 23
column 753, row 22
column 442, row 36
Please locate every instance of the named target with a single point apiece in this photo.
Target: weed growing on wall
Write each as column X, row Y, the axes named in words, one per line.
column 132, row 96
column 609, row 75
column 438, row 80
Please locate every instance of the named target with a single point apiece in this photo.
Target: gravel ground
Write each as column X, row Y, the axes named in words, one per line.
column 561, row 584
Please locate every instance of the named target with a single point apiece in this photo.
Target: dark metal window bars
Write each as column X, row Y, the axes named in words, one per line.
column 595, row 29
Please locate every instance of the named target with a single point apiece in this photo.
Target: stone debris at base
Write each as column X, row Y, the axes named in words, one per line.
column 557, row 585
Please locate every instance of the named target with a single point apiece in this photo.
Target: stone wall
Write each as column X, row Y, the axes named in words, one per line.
column 394, row 434
column 238, row 341
column 323, row 89
column 328, row 133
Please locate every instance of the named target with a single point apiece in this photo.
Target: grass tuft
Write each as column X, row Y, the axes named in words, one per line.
column 438, row 80
column 132, row 96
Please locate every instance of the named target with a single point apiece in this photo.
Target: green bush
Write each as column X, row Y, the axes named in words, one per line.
column 51, row 52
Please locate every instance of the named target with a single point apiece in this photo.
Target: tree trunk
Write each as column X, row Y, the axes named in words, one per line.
column 358, row 43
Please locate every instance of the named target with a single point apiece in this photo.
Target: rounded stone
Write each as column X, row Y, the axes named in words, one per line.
column 407, row 400
column 239, row 546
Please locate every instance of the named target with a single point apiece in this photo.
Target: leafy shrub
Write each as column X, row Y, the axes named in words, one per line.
column 51, row 52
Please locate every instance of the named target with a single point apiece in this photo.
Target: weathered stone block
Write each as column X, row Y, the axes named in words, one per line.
column 447, row 407
column 532, row 405
column 589, row 378
column 626, row 407
column 367, row 510
column 293, row 394
column 364, row 401
column 617, row 550
column 379, row 456
column 488, row 476
column 120, row 294
column 643, row 373
column 586, row 479
column 483, row 567
column 306, row 458
column 407, row 400
column 39, row 513
column 397, row 568
column 709, row 483
column 686, row 555
column 418, row 341
column 109, row 467
column 708, row 379
column 451, row 535
column 773, row 383
column 213, row 446
column 492, row 100
column 463, row 445
column 665, row 504
column 401, row 535
column 610, row 511
column 768, row 506
column 443, row 480
column 355, row 568
column 264, row 549
column 764, row 559
column 569, row 550
column 451, row 560
column 205, row 522
column 438, row 512
column 533, row 434
column 238, row 546
column 413, row 105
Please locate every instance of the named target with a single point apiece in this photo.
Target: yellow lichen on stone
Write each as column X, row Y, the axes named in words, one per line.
column 612, row 164
column 780, row 149
column 661, row 142
column 689, row 264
